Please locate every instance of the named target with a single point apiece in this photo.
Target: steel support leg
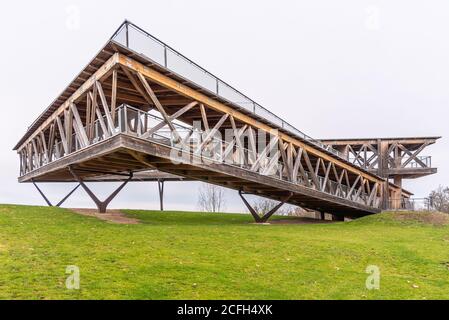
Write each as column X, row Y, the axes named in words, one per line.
column 160, row 184
column 268, row 215
column 101, row 205
column 323, row 216
column 60, row 203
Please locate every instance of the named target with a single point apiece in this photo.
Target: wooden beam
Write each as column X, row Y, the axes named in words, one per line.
column 106, row 109
column 62, row 135
column 171, row 118
column 204, row 117
column 263, row 154
column 311, row 170
column 114, row 95
column 79, row 124
column 211, row 134
column 158, row 105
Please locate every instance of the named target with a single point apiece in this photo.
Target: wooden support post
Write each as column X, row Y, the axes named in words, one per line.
column 175, row 116
column 114, row 96
column 106, row 109
column 159, row 106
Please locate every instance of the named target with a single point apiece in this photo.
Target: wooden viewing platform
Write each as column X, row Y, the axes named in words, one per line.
column 139, row 106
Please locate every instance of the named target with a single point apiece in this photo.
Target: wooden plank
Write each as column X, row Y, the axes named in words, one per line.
column 68, row 121
column 103, row 126
column 252, row 146
column 348, row 196
column 297, row 166
column 93, row 112
column 238, row 141
column 273, row 162
column 136, row 85
column 44, row 146
column 212, row 133
column 114, row 95
column 326, row 177
column 413, row 156
column 158, row 105
column 88, row 115
column 204, row 117
column 171, row 118
column 62, row 135
column 311, row 170
column 263, row 154
column 79, row 124
column 231, row 145
column 106, row 109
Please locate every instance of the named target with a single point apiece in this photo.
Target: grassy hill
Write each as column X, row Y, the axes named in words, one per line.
column 176, row 255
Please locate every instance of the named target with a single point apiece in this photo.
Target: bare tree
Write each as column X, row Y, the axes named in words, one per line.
column 263, row 205
column 211, row 198
column 439, row 199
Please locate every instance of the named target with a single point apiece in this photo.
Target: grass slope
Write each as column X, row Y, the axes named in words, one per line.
column 176, row 255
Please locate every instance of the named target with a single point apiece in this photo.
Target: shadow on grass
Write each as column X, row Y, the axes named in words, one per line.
column 193, row 218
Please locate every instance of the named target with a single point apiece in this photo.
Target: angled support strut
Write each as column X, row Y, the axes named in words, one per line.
column 160, row 184
column 268, row 215
column 60, row 203
column 101, row 205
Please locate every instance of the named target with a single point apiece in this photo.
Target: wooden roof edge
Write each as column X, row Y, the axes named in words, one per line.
column 382, row 139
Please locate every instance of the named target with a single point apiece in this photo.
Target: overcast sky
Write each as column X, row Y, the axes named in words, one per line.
column 331, row 68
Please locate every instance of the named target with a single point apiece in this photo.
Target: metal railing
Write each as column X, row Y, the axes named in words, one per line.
column 412, row 204
column 419, row 162
column 424, row 162
column 140, row 41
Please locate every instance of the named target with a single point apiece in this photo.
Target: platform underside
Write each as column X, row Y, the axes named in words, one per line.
column 123, row 153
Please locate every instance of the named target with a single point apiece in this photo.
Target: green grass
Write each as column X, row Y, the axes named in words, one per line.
column 176, row 255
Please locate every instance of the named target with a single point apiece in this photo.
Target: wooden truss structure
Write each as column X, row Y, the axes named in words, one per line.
column 125, row 114
column 388, row 156
column 391, row 158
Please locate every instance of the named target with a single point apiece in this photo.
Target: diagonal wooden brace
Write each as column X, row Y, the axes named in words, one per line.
column 48, row 201
column 268, row 215
column 101, row 205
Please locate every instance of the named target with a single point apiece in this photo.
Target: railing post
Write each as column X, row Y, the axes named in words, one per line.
column 139, row 124
column 120, row 110
column 125, row 115
column 127, row 34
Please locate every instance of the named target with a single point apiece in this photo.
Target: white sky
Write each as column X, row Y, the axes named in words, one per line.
column 331, row 68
